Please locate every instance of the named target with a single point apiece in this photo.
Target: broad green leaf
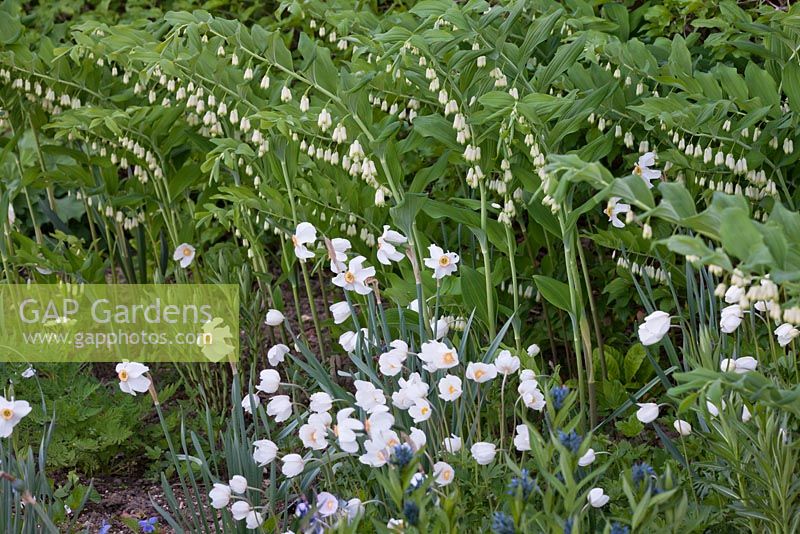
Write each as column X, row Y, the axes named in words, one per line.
column 680, row 60
column 405, row 213
column 564, row 58
column 10, row 28
column 554, row 291
column 473, row 290
column 761, row 85
column 677, row 203
column 436, row 127
column 633, row 361
column 633, row 189
column 694, row 246
column 741, row 238
column 427, row 175
column 732, row 83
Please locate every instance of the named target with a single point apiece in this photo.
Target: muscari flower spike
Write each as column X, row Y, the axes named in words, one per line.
column 522, row 484
column 411, row 512
column 571, row 440
column 402, row 455
column 559, row 394
column 502, row 523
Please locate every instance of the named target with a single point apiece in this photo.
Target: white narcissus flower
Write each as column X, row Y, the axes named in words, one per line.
column 349, row 339
column 11, row 412
column 440, row 328
column 240, row 509
column 411, row 389
column 734, row 294
column 533, row 350
column 481, row 372
column 314, row 434
column 390, row 363
column 279, row 407
column 450, row 388
column 387, row 246
column 682, row 427
column 654, row 328
column 506, row 363
column 414, row 305
column 355, row 277
column 396, row 525
column 597, row 498
column 277, row 354
column 642, row 168
column 320, row 402
column 746, row 364
column 746, row 415
column 587, row 458
column 274, row 317
column 265, row 451
column 345, row 430
column 727, row 365
column 530, row 394
column 786, row 333
column 250, row 403
column 220, row 495
column 340, row 312
column 443, row 473
column 253, row 519
column 443, row 263
column 647, row 412
column 452, row 444
column 270, row 381
column 293, row 465
column 417, row 437
column 353, row 508
column 739, row 365
column 238, row 484
column 184, row 254
column 327, row 504
column 614, row 209
column 528, row 374
column 339, row 250
column 483, row 452
column 368, row 397
column 712, row 408
column 522, row 439
column 376, row 453
column 30, row 372
column 730, row 318
column 305, row 234
column 132, row 377
column 438, row 355
column 420, row 411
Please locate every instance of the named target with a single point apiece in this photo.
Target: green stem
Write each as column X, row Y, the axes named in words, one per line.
column 595, row 317
column 487, row 266
column 306, row 279
column 575, row 304
column 512, row 261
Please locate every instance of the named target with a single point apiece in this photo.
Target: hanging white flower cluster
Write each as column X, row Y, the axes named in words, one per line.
column 656, row 274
